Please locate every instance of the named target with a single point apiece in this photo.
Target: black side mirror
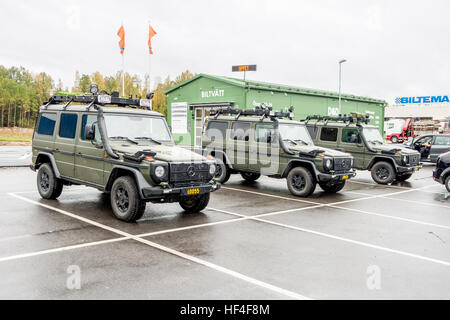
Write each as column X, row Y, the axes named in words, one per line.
column 89, row 132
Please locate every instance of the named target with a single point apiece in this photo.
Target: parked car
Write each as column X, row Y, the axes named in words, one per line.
column 430, row 146
column 126, row 152
column 260, row 142
column 354, row 135
column 442, row 172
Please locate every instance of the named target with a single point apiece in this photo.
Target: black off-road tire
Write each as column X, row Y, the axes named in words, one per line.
column 126, row 203
column 300, row 182
column 48, row 185
column 447, row 183
column 332, row 188
column 403, row 177
column 194, row 204
column 383, row 172
column 394, row 139
column 250, row 176
column 223, row 172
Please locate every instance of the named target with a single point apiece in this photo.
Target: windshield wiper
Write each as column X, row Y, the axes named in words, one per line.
column 302, row 141
column 124, row 138
column 291, row 141
column 148, row 138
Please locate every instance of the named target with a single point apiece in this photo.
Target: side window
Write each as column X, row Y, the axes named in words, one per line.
column 313, row 131
column 264, row 133
column 217, row 129
column 88, row 119
column 442, row 141
column 47, row 123
column 68, row 125
column 350, row 136
column 328, row 134
column 240, row 131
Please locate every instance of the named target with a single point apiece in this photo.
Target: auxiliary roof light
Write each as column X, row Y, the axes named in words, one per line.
column 93, row 89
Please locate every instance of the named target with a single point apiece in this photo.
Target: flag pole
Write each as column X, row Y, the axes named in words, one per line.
column 149, row 67
column 123, row 74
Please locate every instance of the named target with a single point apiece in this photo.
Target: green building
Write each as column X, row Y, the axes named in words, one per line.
column 188, row 104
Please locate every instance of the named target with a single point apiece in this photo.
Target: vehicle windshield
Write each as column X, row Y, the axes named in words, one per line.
column 373, row 135
column 136, row 127
column 294, row 133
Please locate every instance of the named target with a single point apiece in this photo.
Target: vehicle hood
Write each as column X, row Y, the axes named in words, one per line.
column 388, row 147
column 168, row 153
column 310, row 148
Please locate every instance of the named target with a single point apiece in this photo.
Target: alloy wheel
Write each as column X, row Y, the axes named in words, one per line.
column 122, row 199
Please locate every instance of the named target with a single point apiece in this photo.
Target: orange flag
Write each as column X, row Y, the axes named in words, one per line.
column 151, row 34
column 121, row 34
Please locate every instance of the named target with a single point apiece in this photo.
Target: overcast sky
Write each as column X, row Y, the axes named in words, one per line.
column 393, row 48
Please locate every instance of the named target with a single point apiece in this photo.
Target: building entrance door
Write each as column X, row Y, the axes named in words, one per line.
column 200, row 116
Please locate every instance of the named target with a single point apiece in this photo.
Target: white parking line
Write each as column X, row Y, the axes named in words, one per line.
column 205, row 263
column 405, row 200
column 330, row 236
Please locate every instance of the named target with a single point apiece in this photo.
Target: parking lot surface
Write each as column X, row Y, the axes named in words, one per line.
column 254, row 241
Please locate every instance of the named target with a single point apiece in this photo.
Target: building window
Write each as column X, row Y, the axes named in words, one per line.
column 350, row 136
column 47, row 122
column 68, row 125
column 217, row 129
column 240, row 131
column 328, row 134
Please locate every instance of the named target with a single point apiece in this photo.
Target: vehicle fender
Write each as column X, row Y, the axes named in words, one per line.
column 294, row 162
column 445, row 173
column 218, row 153
column 387, row 159
column 52, row 162
column 139, row 178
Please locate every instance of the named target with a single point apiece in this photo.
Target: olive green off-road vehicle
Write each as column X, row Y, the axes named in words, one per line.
column 354, row 135
column 126, row 152
column 261, row 142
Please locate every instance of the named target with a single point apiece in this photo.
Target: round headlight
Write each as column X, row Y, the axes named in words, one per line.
column 212, row 169
column 328, row 163
column 160, row 171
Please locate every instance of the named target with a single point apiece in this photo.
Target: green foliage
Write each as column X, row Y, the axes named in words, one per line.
column 22, row 92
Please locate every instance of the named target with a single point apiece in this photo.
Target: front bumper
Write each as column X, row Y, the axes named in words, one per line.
column 174, row 194
column 401, row 169
column 328, row 177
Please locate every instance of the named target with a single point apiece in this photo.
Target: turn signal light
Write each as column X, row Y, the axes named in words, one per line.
column 320, row 155
column 149, row 159
column 210, row 157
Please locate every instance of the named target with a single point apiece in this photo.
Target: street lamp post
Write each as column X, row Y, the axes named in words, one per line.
column 340, row 83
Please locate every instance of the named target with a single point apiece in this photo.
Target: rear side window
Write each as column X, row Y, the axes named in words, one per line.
column 240, row 131
column 312, row 131
column 350, row 136
column 47, row 123
column 328, row 134
column 442, row 141
column 217, row 129
column 68, row 125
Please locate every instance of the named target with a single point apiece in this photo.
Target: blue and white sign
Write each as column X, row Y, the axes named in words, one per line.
column 424, row 99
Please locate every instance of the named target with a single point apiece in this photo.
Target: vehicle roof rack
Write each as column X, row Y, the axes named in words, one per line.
column 261, row 111
column 99, row 99
column 357, row 118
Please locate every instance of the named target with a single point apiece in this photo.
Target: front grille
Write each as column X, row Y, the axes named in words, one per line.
column 342, row 164
column 414, row 159
column 189, row 173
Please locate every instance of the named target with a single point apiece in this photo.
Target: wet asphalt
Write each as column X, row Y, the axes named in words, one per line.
column 254, row 241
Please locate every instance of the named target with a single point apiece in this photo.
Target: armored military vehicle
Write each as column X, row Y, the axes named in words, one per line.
column 267, row 142
column 354, row 135
column 121, row 147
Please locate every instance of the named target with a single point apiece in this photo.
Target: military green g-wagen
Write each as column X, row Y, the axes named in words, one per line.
column 261, row 142
column 127, row 152
column 364, row 142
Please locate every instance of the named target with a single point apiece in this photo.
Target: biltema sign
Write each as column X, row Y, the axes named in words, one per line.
column 425, row 99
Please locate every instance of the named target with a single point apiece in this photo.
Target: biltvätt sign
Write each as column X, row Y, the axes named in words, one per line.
column 213, row 93
column 424, row 99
